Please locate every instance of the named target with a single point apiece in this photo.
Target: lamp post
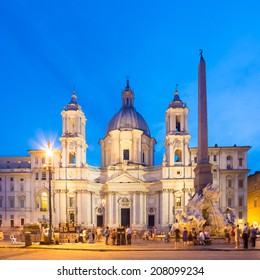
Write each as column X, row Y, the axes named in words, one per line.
column 49, row 154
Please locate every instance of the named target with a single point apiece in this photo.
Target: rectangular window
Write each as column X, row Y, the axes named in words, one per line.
column 36, row 175
column 11, row 202
column 1, row 202
column 11, row 179
column 255, row 202
column 36, row 160
column 178, row 201
column 195, row 159
column 71, row 202
column 0, row 187
column 240, row 215
column 43, row 160
column 240, row 183
column 43, row 175
column 240, row 201
column 214, row 158
column 126, row 154
column 11, row 188
column 22, row 203
column 240, row 162
column 229, row 183
column 229, row 202
column 22, row 221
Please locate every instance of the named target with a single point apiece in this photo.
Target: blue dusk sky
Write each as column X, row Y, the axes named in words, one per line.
column 50, row 47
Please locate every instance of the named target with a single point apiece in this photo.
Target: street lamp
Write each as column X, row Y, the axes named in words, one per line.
column 49, row 154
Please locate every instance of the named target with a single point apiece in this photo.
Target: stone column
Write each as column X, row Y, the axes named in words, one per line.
column 165, row 207
column 89, row 209
column 134, row 208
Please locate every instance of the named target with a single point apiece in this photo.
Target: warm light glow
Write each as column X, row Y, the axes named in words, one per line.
column 240, row 221
column 49, row 152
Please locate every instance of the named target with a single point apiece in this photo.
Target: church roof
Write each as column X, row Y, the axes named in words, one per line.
column 127, row 118
column 73, row 105
column 177, row 102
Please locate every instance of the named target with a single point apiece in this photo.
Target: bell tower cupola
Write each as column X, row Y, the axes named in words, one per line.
column 73, row 137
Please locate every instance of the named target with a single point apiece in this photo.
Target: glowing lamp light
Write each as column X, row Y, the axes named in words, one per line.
column 49, row 152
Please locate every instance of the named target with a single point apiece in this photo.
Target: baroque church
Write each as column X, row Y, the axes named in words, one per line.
column 127, row 189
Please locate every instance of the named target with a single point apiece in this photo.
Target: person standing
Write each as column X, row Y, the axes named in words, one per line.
column 90, row 236
column 185, row 236
column 177, row 237
column 194, row 236
column 237, row 236
column 190, row 238
column 107, row 235
column 113, row 237
column 99, row 234
column 253, row 233
column 84, row 234
column 129, row 235
column 245, row 235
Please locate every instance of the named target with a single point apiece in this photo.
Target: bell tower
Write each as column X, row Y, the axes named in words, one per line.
column 177, row 135
column 73, row 137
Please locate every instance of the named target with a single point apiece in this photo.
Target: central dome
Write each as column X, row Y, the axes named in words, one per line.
column 128, row 118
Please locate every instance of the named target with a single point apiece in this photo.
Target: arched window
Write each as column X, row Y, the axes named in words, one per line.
column 72, row 158
column 44, row 201
column 177, row 156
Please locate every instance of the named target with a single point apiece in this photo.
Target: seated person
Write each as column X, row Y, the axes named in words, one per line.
column 206, row 234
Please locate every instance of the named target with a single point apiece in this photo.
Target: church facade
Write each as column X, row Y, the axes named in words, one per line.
column 127, row 189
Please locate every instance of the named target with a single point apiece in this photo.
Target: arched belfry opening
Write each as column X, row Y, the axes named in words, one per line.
column 178, row 155
column 72, row 158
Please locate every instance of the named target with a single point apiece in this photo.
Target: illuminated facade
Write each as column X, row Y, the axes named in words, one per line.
column 254, row 198
column 128, row 188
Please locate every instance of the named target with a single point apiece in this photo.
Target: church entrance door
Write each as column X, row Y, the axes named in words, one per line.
column 99, row 220
column 125, row 217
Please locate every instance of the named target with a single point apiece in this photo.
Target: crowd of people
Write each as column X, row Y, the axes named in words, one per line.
column 244, row 236
column 110, row 236
column 180, row 236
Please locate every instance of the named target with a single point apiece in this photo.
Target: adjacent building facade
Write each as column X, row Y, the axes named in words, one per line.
column 127, row 189
column 254, row 198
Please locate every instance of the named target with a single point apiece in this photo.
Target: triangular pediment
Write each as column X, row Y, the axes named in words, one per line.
column 124, row 178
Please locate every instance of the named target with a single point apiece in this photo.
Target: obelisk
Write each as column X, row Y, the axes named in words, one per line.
column 202, row 171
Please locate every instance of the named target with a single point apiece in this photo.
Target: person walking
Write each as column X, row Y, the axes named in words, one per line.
column 245, row 235
column 237, row 236
column 107, row 235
